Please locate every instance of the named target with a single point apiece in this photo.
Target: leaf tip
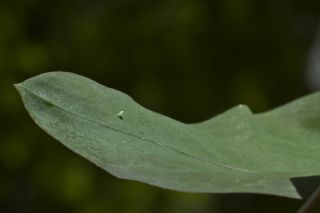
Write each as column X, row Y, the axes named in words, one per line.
column 18, row 87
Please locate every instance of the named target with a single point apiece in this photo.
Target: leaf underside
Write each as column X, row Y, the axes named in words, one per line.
column 237, row 151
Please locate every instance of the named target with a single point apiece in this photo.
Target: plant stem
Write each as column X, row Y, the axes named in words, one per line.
column 312, row 204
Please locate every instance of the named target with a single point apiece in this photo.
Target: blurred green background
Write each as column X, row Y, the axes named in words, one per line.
column 188, row 59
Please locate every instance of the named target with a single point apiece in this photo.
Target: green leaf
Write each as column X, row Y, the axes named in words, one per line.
column 237, row 151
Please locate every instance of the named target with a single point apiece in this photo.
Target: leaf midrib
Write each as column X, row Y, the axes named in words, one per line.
column 137, row 136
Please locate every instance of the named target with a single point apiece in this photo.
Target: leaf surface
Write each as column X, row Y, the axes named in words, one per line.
column 237, row 151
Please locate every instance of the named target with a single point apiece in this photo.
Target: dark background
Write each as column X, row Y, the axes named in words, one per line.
column 187, row 59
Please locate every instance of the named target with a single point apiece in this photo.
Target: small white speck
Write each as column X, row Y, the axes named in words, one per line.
column 120, row 113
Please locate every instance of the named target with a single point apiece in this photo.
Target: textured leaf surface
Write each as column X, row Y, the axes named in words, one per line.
column 237, row 151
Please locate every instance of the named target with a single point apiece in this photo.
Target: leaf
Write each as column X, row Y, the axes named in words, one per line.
column 237, row 151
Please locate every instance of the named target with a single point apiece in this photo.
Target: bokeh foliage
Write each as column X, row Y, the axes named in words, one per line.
column 187, row 59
